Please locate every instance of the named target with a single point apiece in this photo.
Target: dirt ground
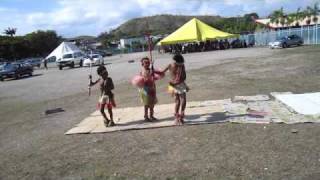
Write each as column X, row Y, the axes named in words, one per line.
column 33, row 146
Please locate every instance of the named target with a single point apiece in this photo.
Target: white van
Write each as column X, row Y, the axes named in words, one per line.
column 70, row 59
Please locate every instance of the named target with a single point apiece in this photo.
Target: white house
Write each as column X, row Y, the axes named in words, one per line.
column 304, row 22
column 129, row 41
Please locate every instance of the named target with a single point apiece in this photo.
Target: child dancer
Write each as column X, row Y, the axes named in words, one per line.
column 106, row 97
column 148, row 91
column 178, row 86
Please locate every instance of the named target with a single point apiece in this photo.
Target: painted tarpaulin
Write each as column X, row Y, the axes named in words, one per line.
column 131, row 118
column 255, row 109
column 305, row 104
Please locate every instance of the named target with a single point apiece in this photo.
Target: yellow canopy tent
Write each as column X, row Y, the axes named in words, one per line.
column 195, row 31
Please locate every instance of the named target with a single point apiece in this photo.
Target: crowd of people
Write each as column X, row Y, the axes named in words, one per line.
column 203, row 46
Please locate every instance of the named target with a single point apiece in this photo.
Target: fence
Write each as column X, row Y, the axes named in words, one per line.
column 310, row 35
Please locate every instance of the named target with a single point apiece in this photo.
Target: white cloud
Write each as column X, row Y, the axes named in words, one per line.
column 13, row 18
column 76, row 17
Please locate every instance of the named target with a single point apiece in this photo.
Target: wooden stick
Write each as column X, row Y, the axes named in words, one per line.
column 90, row 79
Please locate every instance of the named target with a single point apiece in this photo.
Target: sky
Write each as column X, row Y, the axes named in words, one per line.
column 71, row 18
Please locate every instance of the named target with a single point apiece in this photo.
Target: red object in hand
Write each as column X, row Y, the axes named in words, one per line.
column 138, row 81
column 158, row 74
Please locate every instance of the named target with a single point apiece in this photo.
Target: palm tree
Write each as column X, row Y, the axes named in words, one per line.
column 298, row 16
column 308, row 14
column 10, row 31
column 274, row 17
column 278, row 16
column 290, row 18
column 315, row 12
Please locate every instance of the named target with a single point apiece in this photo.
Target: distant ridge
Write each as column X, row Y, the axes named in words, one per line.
column 166, row 24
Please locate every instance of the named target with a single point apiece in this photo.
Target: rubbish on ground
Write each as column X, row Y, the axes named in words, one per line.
column 251, row 98
column 252, row 112
column 52, row 111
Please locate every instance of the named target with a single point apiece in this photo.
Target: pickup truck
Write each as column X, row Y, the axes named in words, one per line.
column 70, row 60
column 15, row 70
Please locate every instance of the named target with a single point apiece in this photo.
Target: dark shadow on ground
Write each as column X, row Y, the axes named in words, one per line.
column 210, row 118
column 69, row 68
column 142, row 121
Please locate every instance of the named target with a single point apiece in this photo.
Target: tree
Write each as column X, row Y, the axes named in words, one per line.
column 12, row 48
column 38, row 43
column 277, row 17
column 251, row 16
column 290, row 19
column 308, row 14
column 105, row 43
column 298, row 16
column 42, row 42
column 315, row 12
column 283, row 17
column 10, row 31
column 106, row 38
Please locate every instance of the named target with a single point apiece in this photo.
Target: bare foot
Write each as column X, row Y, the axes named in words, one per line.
column 153, row 118
column 106, row 123
column 177, row 120
column 146, row 118
column 111, row 123
column 182, row 118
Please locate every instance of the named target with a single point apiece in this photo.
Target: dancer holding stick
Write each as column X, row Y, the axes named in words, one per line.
column 145, row 81
column 106, row 97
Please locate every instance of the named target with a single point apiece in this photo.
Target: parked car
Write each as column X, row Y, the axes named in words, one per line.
column 286, row 41
column 237, row 43
column 15, row 70
column 103, row 53
column 93, row 59
column 2, row 60
column 34, row 62
column 70, row 60
column 108, row 53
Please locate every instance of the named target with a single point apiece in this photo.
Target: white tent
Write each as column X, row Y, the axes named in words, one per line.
column 63, row 48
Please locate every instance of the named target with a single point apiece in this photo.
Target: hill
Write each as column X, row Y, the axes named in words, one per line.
column 166, row 24
column 161, row 24
column 83, row 37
